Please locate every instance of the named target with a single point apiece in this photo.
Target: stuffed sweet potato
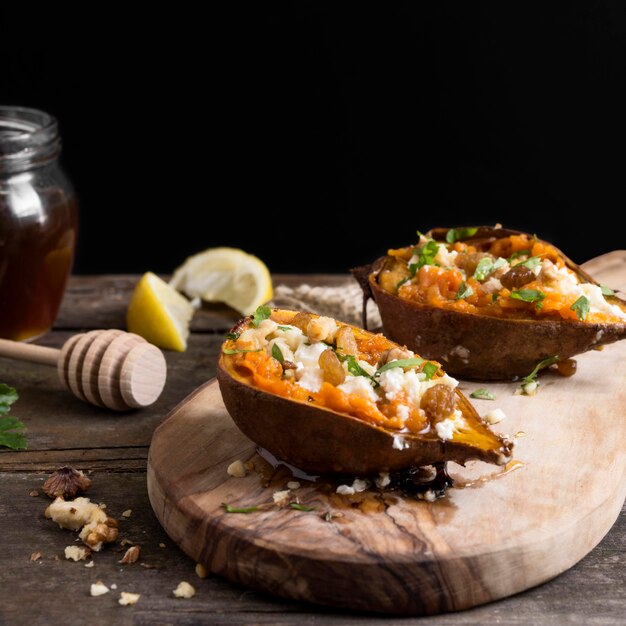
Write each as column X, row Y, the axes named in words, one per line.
column 491, row 303
column 328, row 397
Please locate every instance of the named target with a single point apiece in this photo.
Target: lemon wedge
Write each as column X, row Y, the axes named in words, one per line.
column 159, row 313
column 227, row 275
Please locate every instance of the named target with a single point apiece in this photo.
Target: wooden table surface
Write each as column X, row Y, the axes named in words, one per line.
column 113, row 448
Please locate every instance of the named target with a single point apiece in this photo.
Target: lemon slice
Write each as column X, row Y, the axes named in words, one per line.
column 228, row 275
column 159, row 313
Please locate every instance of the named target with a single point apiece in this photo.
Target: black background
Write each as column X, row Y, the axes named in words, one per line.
column 278, row 128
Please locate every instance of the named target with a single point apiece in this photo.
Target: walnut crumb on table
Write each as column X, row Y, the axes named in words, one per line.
column 127, row 598
column 76, row 553
column 131, row 555
column 35, row 556
column 98, row 589
column 184, row 590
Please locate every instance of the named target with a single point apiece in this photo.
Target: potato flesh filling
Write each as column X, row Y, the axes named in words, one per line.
column 512, row 277
column 316, row 359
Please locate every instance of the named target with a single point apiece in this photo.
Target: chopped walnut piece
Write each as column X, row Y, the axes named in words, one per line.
column 127, row 598
column 66, row 482
column 35, row 556
column 76, row 553
column 281, row 498
column 184, row 590
column 98, row 589
column 127, row 513
column 131, row 556
column 34, row 493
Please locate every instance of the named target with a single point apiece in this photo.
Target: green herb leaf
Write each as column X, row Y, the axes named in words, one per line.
column 8, row 395
column 518, row 254
column 354, row 368
column 430, row 369
column 233, row 336
column 531, row 262
column 262, row 313
column 581, row 306
column 285, row 328
column 234, row 509
column 301, row 507
column 607, row 291
column 529, row 295
column 277, row 354
column 10, row 427
column 464, row 291
column 483, row 394
column 401, row 282
column 484, row 268
column 414, row 362
column 541, row 365
column 456, row 234
column 239, row 351
column 426, row 256
column 494, row 297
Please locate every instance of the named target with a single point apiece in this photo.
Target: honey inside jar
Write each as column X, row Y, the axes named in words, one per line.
column 38, row 223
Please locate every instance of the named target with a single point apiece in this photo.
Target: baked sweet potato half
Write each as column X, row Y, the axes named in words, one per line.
column 489, row 302
column 328, row 397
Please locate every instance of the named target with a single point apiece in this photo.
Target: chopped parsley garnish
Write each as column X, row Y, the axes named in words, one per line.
column 262, row 313
column 487, row 266
column 531, row 262
column 277, row 354
column 606, row 291
column 465, row 291
column 285, row 328
column 240, row 351
column 11, row 435
column 235, row 509
column 529, row 295
column 426, row 256
column 354, row 368
column 233, row 336
column 430, row 369
column 541, row 365
column 494, row 297
column 456, row 234
column 581, row 306
column 482, row 394
column 301, row 507
column 414, row 362
column 518, row 254
column 401, row 282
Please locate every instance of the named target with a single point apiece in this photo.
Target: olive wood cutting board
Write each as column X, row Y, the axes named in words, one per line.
column 498, row 532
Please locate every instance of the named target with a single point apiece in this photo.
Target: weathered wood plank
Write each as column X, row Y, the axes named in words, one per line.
column 54, row 591
column 100, row 302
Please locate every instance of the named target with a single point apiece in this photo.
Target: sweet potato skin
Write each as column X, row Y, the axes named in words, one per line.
column 481, row 347
column 324, row 441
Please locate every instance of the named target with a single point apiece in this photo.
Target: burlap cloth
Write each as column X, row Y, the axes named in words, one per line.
column 343, row 302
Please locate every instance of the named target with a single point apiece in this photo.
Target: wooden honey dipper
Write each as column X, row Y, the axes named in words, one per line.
column 108, row 368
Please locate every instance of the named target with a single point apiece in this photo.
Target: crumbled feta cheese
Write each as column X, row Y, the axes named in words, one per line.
column 236, row 469
column 429, row 496
column 291, row 335
column 309, row 356
column 492, row 285
column 495, row 416
column 383, row 480
column 403, row 412
column 359, row 386
column 598, row 303
column 311, row 378
column 281, row 497
column 282, row 346
column 444, row 257
column 446, row 428
column 360, row 485
column 392, row 381
column 399, row 443
column 345, row 490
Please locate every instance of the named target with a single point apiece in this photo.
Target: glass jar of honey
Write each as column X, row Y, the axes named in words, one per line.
column 38, row 223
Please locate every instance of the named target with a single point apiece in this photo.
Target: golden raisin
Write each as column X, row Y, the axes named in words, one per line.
column 346, row 343
column 331, row 367
column 301, row 321
column 438, row 402
column 517, row 277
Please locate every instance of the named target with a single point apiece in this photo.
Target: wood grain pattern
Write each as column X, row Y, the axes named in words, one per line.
column 497, row 536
